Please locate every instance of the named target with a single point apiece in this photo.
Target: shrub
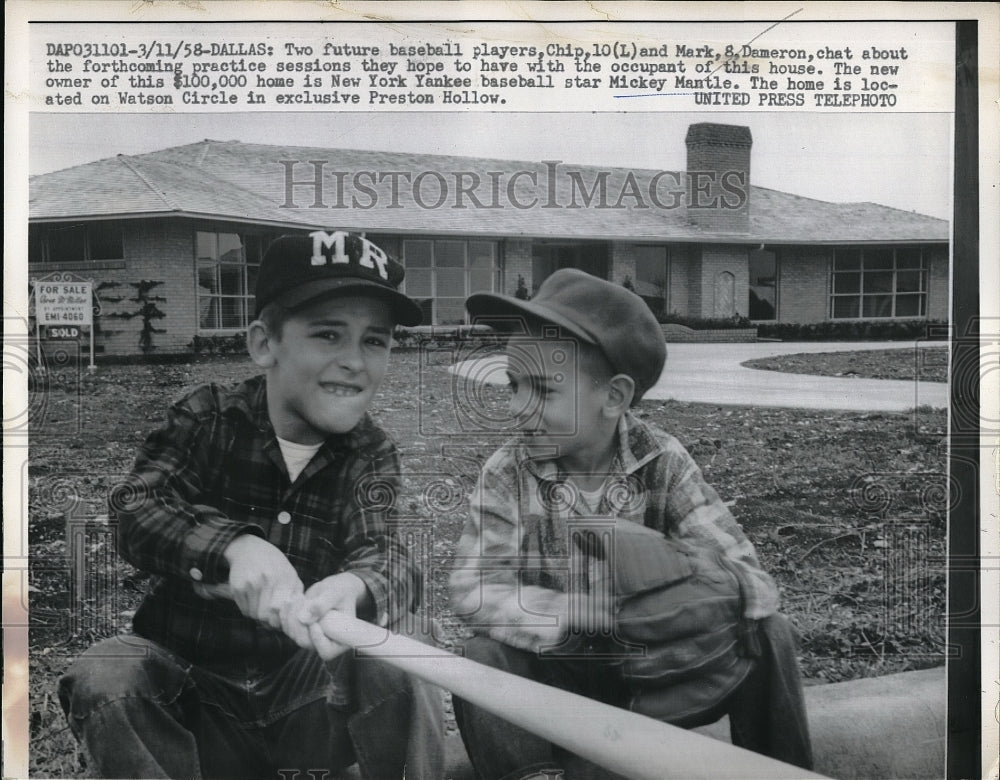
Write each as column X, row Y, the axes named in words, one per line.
column 234, row 344
column 854, row 330
column 705, row 323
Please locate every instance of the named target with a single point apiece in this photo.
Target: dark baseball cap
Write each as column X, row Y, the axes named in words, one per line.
column 297, row 270
column 595, row 311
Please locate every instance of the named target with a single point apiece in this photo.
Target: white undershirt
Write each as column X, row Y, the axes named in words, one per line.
column 591, row 499
column 297, row 455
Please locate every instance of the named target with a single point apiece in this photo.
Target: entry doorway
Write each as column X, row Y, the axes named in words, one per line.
column 549, row 256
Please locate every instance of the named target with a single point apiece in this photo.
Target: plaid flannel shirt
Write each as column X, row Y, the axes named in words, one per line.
column 215, row 471
column 511, row 576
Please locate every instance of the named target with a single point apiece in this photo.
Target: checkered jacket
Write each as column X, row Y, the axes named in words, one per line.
column 215, row 471
column 515, row 563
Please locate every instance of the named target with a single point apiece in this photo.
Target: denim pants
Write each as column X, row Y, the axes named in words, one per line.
column 767, row 712
column 499, row 750
column 142, row 711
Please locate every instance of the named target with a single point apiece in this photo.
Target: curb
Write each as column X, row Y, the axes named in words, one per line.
column 877, row 727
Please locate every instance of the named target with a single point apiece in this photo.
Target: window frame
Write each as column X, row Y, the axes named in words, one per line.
column 667, row 259
column 44, row 233
column 433, row 269
column 245, row 300
column 878, row 270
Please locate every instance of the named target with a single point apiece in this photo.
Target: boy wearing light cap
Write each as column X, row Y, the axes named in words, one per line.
column 597, row 559
column 259, row 508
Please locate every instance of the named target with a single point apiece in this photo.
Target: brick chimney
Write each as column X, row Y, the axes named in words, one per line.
column 718, row 177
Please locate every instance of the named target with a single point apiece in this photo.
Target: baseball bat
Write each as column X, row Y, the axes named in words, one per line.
column 625, row 742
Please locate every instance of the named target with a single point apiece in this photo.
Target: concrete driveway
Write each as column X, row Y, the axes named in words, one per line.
column 711, row 373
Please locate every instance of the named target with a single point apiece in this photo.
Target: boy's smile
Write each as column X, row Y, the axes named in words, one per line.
column 325, row 367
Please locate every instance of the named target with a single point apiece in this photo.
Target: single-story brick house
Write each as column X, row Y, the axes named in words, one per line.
column 702, row 243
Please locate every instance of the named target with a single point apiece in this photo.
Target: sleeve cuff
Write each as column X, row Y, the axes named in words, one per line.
column 380, row 596
column 202, row 559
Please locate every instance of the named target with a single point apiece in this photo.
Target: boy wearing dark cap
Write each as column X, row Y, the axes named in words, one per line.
column 253, row 509
column 595, row 557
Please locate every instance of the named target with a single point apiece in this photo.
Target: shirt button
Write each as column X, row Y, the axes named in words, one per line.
column 195, row 574
column 284, row 518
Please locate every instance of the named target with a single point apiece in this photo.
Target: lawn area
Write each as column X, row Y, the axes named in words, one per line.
column 928, row 363
column 847, row 510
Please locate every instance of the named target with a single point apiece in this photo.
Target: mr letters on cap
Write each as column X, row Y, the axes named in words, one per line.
column 370, row 255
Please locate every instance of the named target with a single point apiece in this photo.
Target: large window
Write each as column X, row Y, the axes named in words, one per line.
column 227, row 265
column 442, row 273
column 80, row 242
column 651, row 277
column 875, row 282
column 763, row 304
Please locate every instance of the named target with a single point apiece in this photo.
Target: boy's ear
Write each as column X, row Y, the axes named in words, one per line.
column 259, row 344
column 621, row 389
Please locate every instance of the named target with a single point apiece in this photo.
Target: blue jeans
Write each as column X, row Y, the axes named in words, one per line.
column 499, row 750
column 143, row 711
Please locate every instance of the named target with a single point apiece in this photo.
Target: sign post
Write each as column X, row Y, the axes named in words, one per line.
column 64, row 303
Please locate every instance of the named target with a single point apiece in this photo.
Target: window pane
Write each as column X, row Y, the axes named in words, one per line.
column 36, row 245
column 878, row 282
column 230, row 248
column 418, row 283
column 651, row 270
column 206, row 278
column 232, row 312
column 846, row 283
column 417, row 254
column 878, row 306
column 878, row 258
column 204, row 246
column 107, row 241
column 208, row 311
column 451, row 281
column 845, row 307
column 847, row 259
column 481, row 280
column 450, row 311
column 909, row 305
column 254, row 248
column 66, row 243
column 449, row 254
column 481, row 254
column 231, row 279
column 908, row 257
column 252, row 272
column 909, row 281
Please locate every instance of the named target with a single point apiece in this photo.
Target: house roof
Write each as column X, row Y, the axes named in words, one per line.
column 231, row 180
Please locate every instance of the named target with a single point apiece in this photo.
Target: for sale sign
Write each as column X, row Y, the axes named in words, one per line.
column 63, row 299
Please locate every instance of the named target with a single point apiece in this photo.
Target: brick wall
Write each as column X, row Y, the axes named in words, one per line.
column 937, row 283
column 155, row 250
column 517, row 261
column 804, row 284
column 716, row 259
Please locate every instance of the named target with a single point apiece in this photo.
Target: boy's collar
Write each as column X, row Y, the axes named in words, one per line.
column 250, row 400
column 636, row 446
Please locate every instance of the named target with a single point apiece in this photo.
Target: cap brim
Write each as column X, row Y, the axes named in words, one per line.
column 486, row 306
column 405, row 311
